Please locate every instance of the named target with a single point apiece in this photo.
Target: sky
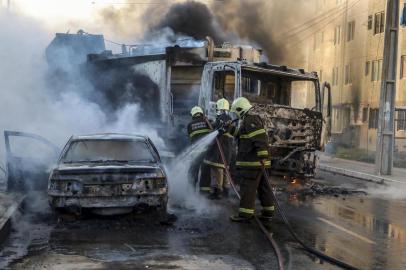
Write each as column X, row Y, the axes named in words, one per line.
column 72, row 15
column 65, row 15
column 52, row 12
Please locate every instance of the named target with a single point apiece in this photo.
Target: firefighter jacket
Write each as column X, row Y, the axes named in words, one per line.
column 197, row 128
column 213, row 157
column 252, row 143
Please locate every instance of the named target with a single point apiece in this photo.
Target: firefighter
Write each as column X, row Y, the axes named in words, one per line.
column 252, row 141
column 197, row 129
column 219, row 183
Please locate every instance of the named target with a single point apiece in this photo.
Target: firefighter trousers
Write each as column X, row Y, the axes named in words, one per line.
column 204, row 183
column 218, row 179
column 253, row 182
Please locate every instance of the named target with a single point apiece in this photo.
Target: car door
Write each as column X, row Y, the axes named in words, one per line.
column 29, row 158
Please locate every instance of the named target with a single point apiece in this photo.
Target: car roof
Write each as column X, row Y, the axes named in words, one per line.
column 110, row 136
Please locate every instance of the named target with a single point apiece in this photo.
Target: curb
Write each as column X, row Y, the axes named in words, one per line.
column 5, row 221
column 358, row 175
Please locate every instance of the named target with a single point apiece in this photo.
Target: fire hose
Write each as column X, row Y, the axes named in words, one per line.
column 314, row 251
column 281, row 211
column 274, row 245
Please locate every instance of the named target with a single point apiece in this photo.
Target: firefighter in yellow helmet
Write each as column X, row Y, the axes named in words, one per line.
column 252, row 154
column 219, row 183
column 198, row 128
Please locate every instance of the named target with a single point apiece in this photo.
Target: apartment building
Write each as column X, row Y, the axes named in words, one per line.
column 346, row 48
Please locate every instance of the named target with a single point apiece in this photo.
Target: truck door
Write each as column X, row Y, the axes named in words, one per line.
column 218, row 82
column 29, row 158
column 326, row 109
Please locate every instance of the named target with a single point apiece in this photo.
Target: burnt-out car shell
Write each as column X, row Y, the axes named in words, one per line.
column 108, row 174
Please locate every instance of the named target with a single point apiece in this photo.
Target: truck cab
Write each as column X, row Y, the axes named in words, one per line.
column 296, row 110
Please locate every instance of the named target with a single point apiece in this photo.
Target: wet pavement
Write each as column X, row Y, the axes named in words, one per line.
column 366, row 231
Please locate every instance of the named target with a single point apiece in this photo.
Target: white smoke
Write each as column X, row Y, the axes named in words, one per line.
column 181, row 190
column 28, row 103
column 392, row 191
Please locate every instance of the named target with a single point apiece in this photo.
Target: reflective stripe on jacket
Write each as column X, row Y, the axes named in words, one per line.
column 252, row 143
column 197, row 128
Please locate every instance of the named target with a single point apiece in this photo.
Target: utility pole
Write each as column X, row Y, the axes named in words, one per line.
column 386, row 124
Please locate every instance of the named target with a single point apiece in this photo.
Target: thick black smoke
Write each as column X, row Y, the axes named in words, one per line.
column 264, row 23
column 269, row 25
column 191, row 19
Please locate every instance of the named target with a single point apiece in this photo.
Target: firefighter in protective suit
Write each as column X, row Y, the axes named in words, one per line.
column 219, row 183
column 197, row 129
column 252, row 141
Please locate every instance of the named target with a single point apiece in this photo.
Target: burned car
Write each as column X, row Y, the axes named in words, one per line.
column 108, row 174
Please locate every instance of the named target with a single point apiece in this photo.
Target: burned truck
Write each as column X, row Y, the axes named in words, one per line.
column 295, row 108
column 167, row 80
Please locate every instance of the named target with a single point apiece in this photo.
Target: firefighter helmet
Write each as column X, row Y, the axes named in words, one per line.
column 222, row 104
column 195, row 110
column 241, row 106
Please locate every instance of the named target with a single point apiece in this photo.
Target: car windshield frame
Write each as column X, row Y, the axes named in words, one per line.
column 63, row 159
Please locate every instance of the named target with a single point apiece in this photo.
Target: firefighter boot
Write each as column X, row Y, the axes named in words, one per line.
column 215, row 194
column 240, row 218
column 226, row 192
column 267, row 215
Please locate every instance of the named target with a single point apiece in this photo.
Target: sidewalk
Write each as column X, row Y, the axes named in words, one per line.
column 359, row 170
column 8, row 206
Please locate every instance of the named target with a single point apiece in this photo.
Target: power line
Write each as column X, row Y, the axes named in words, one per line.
column 324, row 26
column 295, row 30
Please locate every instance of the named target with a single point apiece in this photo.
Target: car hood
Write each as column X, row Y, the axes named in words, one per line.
column 92, row 168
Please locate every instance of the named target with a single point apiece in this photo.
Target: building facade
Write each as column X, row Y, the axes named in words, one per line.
column 346, row 49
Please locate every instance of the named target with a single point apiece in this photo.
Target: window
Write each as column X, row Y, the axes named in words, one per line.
column 118, row 150
column 223, row 85
column 347, row 75
column 318, row 40
column 335, row 76
column 376, row 73
column 249, row 85
column 367, row 64
column 337, row 35
column 379, row 25
column 364, row 114
column 350, row 30
column 403, row 17
column 403, row 67
column 401, row 119
column 373, row 118
column 370, row 22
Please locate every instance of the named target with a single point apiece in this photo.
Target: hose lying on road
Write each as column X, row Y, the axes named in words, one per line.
column 275, row 247
column 289, row 226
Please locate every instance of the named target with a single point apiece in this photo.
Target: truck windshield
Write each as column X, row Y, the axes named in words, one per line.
column 108, row 150
column 264, row 88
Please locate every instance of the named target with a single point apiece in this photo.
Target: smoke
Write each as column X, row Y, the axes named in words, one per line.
column 182, row 192
column 390, row 192
column 192, row 19
column 264, row 24
column 29, row 103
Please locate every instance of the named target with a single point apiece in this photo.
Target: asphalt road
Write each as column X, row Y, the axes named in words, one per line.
column 367, row 231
